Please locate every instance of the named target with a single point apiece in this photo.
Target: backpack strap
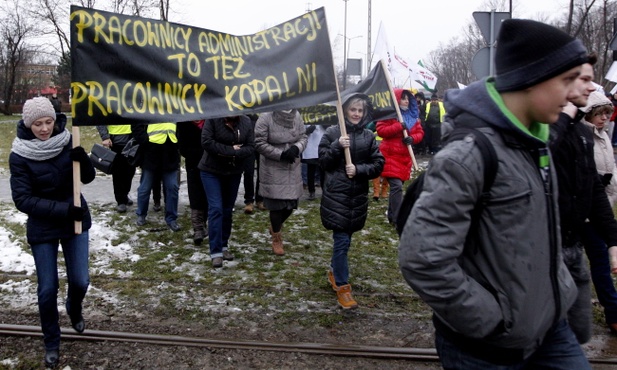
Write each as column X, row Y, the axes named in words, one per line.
column 489, row 156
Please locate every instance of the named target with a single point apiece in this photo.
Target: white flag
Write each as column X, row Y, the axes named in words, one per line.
column 402, row 72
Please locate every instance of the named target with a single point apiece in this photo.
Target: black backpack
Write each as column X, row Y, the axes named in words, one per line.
column 489, row 156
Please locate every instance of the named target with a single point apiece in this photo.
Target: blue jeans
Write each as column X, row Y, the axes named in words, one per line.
column 221, row 191
column 559, row 351
column 339, row 264
column 75, row 250
column 171, row 187
column 597, row 252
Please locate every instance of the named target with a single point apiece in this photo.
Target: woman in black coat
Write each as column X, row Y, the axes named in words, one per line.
column 41, row 164
column 344, row 203
column 228, row 143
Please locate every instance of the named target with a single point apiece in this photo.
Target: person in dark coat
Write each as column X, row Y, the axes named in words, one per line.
column 41, row 165
column 228, row 142
column 344, row 202
column 189, row 142
column 582, row 200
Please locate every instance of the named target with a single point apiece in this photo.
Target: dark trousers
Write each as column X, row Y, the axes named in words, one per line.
column 197, row 195
column 313, row 170
column 251, row 185
column 597, row 253
column 122, row 176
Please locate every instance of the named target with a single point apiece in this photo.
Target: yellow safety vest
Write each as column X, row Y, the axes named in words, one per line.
column 119, row 129
column 158, row 132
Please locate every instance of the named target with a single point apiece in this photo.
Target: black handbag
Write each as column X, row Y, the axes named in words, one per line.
column 102, row 158
column 133, row 153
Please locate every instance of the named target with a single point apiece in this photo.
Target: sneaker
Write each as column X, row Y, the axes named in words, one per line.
column 344, row 298
column 121, row 208
column 227, row 256
column 141, row 220
column 311, row 196
column 331, row 280
column 157, row 206
column 173, row 226
column 217, row 262
column 248, row 208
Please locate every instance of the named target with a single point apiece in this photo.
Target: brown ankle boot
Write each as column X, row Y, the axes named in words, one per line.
column 277, row 243
column 344, row 298
column 376, row 188
column 385, row 188
column 197, row 220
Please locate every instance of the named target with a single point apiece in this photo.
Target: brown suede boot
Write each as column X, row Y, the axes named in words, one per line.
column 277, row 243
column 385, row 188
column 376, row 188
column 197, row 220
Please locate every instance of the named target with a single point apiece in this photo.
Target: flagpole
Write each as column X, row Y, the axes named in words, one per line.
column 76, row 178
column 399, row 115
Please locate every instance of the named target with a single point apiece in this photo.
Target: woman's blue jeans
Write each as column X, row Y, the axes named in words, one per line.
column 221, row 192
column 339, row 264
column 75, row 251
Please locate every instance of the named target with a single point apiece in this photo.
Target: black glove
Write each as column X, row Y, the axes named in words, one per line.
column 78, row 154
column 408, row 140
column 76, row 213
column 290, row 154
column 310, row 129
column 606, row 178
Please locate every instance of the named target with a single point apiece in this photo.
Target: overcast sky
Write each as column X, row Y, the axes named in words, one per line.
column 413, row 27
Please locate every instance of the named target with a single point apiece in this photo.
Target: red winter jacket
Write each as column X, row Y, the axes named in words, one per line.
column 398, row 160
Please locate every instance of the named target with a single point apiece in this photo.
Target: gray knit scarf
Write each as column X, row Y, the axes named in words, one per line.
column 38, row 150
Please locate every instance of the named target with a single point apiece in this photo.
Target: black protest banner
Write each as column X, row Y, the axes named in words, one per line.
column 375, row 86
column 130, row 69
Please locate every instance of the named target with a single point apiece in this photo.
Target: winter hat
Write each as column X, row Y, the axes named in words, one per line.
column 36, row 108
column 596, row 99
column 530, row 52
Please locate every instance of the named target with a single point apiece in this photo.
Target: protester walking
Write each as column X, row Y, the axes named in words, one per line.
column 344, row 202
column 495, row 279
column 582, row 199
column 115, row 137
column 41, row 165
column 228, row 142
column 280, row 138
column 161, row 162
column 310, row 157
column 189, row 142
column 395, row 148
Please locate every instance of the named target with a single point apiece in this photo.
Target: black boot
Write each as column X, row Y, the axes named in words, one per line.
column 51, row 358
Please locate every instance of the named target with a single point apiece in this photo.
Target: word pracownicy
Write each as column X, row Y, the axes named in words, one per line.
column 135, row 69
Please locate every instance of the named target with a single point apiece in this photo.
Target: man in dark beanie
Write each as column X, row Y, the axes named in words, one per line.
column 494, row 275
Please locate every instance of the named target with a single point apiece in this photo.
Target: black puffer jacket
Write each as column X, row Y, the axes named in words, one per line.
column 344, row 203
column 44, row 190
column 218, row 137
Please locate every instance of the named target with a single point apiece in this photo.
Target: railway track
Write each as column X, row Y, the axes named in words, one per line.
column 397, row 353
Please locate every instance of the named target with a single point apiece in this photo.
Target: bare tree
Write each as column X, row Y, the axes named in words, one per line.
column 15, row 29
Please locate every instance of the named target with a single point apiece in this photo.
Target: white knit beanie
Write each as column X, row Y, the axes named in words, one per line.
column 36, row 108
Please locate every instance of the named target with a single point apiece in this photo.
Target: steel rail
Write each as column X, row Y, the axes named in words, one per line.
column 416, row 354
